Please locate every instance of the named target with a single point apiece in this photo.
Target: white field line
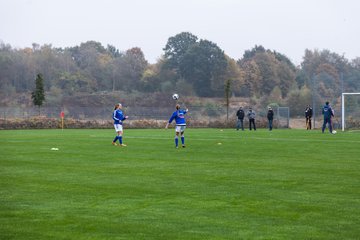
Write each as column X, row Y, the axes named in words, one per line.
column 354, row 131
column 248, row 138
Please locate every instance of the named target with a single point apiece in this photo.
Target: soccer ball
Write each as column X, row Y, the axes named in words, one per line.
column 334, row 132
column 175, row 96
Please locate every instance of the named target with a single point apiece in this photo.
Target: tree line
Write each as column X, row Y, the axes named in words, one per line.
column 189, row 66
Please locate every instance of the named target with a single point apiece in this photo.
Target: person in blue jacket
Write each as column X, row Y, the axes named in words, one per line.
column 118, row 117
column 328, row 114
column 179, row 117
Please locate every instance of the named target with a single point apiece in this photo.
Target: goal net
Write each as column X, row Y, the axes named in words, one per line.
column 350, row 111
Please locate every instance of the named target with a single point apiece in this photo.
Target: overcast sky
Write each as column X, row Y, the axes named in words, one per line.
column 287, row 26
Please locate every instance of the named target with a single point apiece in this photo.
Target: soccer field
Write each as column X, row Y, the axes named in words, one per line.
column 226, row 184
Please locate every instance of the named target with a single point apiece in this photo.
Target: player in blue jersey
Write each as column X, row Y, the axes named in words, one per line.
column 179, row 117
column 328, row 114
column 118, row 117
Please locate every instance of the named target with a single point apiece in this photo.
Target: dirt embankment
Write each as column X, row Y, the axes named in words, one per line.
column 297, row 123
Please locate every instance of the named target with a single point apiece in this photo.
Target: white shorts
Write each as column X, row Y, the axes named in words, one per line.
column 180, row 128
column 118, row 127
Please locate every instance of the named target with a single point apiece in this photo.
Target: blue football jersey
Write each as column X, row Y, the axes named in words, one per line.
column 118, row 116
column 179, row 117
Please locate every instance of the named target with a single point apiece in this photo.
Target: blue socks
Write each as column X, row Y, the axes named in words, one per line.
column 177, row 141
column 118, row 137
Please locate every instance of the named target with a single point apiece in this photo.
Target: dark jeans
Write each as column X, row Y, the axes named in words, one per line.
column 240, row 124
column 253, row 123
column 308, row 123
column 270, row 124
column 327, row 121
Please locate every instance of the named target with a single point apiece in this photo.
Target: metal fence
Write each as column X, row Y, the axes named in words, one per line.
column 196, row 113
column 283, row 116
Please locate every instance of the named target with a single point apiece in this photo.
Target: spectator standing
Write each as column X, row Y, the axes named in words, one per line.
column 251, row 115
column 308, row 116
column 240, row 122
column 270, row 117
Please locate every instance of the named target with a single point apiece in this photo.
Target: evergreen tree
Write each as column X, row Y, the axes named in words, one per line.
column 38, row 95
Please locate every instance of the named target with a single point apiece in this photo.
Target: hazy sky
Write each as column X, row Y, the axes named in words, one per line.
column 287, row 26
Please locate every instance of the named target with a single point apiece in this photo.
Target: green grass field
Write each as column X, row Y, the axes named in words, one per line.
column 285, row 184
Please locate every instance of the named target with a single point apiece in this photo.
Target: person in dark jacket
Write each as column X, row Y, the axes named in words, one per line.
column 308, row 116
column 270, row 117
column 328, row 114
column 251, row 115
column 240, row 122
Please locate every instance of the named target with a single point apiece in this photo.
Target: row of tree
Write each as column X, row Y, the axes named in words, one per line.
column 189, row 65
